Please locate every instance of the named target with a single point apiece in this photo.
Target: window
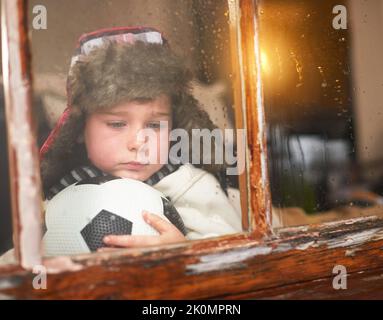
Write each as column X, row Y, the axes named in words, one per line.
column 258, row 263
column 322, row 115
column 6, row 217
column 198, row 32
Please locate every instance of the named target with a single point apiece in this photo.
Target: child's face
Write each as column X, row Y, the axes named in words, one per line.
column 112, row 141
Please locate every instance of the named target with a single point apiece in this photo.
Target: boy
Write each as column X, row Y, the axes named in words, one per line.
column 122, row 81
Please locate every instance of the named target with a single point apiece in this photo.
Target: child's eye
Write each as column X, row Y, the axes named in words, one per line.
column 154, row 125
column 116, row 124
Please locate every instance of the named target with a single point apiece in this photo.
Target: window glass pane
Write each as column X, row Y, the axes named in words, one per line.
column 122, row 82
column 321, row 68
column 6, row 242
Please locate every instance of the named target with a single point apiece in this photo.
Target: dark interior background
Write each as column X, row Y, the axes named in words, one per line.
column 5, row 205
column 322, row 116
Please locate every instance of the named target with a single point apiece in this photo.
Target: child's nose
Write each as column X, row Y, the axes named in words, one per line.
column 135, row 141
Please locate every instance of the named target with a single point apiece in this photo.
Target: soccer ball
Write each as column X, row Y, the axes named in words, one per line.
column 78, row 218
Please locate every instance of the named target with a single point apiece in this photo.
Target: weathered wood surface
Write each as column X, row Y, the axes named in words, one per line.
column 237, row 78
column 293, row 265
column 23, row 155
column 361, row 285
column 260, row 200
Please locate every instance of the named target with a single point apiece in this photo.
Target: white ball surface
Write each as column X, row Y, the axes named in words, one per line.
column 115, row 204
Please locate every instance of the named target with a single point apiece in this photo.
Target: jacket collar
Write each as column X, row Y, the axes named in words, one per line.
column 84, row 172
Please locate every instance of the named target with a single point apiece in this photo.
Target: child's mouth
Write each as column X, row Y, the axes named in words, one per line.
column 133, row 165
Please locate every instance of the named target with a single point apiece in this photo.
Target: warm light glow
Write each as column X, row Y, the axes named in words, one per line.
column 265, row 65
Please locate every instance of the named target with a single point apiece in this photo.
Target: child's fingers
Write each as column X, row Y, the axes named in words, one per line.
column 158, row 223
column 106, row 249
column 132, row 241
column 168, row 234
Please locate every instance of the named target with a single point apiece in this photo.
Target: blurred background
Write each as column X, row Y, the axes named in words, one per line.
column 323, row 95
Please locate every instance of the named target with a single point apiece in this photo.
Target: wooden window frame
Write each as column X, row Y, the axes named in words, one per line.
column 261, row 263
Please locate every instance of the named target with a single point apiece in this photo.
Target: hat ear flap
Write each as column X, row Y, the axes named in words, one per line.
column 197, row 118
column 65, row 152
column 81, row 138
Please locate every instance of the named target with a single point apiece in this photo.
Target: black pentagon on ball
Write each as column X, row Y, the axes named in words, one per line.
column 103, row 224
column 97, row 180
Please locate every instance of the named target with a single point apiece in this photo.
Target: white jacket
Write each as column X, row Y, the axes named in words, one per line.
column 201, row 202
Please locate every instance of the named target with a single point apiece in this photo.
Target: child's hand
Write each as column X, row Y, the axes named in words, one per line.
column 168, row 234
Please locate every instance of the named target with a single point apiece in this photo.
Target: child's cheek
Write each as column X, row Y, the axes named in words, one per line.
column 103, row 151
